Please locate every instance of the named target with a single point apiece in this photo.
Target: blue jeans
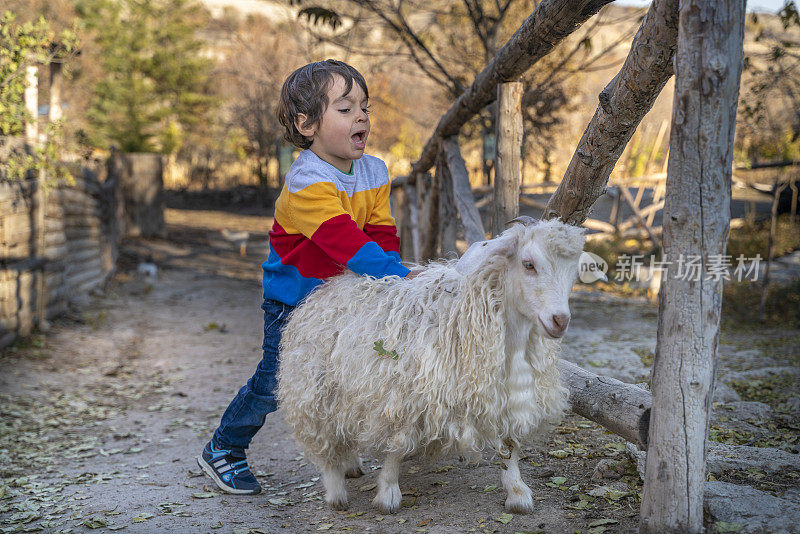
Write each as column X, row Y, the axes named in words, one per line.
column 247, row 411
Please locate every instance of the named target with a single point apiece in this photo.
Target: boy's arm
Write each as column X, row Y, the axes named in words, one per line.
column 317, row 213
column 380, row 226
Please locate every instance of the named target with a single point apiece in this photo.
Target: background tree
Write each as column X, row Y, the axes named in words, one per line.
column 769, row 105
column 259, row 59
column 440, row 38
column 154, row 88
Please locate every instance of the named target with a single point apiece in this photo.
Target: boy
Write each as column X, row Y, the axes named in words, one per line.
column 332, row 213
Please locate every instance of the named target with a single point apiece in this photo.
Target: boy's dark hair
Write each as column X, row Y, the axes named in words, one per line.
column 306, row 91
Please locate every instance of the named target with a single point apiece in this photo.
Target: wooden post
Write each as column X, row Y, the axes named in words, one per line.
column 32, row 105
column 429, row 223
column 56, row 77
column 696, row 221
column 509, row 148
column 773, row 226
column 448, row 217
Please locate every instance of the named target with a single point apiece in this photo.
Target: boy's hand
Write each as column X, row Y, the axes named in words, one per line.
column 414, row 273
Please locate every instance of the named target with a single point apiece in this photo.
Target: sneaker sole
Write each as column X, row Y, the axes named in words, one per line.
column 207, row 469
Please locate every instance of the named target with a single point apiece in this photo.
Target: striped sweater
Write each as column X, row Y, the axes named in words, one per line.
column 326, row 221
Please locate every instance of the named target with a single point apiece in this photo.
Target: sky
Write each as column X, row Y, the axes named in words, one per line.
column 770, row 6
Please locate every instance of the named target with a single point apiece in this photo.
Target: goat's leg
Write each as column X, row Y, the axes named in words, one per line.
column 354, row 468
column 335, row 489
column 520, row 497
column 388, row 498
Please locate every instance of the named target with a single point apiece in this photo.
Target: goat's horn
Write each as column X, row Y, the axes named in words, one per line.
column 524, row 220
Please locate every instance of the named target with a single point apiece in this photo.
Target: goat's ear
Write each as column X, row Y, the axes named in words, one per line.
column 479, row 252
column 506, row 244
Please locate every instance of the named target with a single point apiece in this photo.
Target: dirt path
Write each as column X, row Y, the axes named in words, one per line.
column 102, row 416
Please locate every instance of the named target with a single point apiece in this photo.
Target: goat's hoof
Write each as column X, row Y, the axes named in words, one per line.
column 519, row 504
column 388, row 501
column 337, row 503
column 354, row 472
column 519, row 500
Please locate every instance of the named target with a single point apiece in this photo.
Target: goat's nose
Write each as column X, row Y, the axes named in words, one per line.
column 561, row 320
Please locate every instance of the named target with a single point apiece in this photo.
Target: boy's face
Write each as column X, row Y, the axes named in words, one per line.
column 341, row 134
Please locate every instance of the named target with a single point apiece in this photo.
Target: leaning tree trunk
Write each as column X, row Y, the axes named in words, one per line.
column 550, row 23
column 696, row 222
column 623, row 104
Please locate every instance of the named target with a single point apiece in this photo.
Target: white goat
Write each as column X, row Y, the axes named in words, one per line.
column 462, row 357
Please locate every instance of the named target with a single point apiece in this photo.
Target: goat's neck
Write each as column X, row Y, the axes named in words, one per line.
column 518, row 332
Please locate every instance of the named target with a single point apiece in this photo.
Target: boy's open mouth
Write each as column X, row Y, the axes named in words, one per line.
column 359, row 139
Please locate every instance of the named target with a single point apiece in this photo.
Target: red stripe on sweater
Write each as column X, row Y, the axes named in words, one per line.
column 303, row 254
column 385, row 235
column 340, row 238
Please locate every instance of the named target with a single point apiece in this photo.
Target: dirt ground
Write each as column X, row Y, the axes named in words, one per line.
column 103, row 415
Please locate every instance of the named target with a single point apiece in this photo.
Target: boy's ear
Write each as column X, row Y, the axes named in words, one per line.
column 300, row 124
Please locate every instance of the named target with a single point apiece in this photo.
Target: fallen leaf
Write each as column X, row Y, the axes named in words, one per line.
column 489, row 489
column 142, row 517
column 604, row 521
column 368, row 487
column 95, row 522
column 504, row 518
column 204, row 494
column 324, row 526
column 355, row 514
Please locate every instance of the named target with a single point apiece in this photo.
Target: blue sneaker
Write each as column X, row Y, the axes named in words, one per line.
column 231, row 473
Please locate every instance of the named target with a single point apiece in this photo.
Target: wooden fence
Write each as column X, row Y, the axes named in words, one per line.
column 57, row 243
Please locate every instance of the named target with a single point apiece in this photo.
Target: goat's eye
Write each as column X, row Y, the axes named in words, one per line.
column 529, row 265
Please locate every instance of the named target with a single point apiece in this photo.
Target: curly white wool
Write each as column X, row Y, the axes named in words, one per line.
column 456, row 365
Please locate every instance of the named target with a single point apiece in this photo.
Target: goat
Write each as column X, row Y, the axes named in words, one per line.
column 460, row 358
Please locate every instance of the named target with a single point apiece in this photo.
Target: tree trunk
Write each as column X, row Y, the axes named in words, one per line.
column 429, row 224
column 507, row 162
column 448, row 226
column 409, row 246
column 696, row 222
column 621, row 408
column 623, row 104
column 549, row 24
column 470, row 217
